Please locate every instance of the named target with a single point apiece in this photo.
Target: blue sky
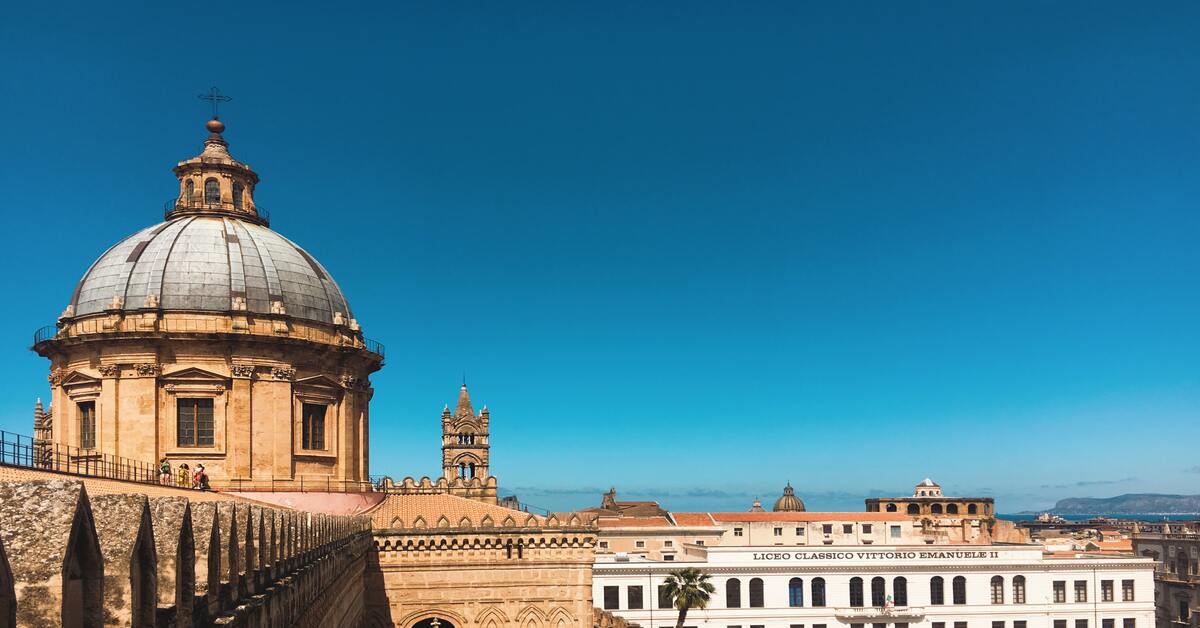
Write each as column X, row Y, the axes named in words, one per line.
column 693, row 250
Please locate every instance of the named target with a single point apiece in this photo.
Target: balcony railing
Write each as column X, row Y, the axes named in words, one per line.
column 18, row 450
column 906, row 613
column 174, row 205
column 374, row 346
column 46, row 333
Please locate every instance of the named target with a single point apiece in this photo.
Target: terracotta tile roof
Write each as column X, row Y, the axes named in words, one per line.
column 633, row 522
column 693, row 519
column 431, row 508
column 1123, row 545
column 804, row 516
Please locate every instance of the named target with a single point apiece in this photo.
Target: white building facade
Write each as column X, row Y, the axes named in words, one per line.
column 906, row 586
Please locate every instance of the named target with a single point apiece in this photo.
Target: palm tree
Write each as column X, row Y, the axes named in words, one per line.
column 687, row 589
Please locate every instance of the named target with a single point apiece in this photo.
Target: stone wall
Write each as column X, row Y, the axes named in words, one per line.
column 126, row 560
column 476, row 572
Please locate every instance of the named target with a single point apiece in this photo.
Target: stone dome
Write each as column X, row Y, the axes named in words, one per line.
column 210, row 263
column 788, row 502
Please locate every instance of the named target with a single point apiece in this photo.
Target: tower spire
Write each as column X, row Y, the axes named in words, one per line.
column 463, row 408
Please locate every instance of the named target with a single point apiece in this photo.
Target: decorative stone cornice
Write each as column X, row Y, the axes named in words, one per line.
column 55, row 377
column 108, row 370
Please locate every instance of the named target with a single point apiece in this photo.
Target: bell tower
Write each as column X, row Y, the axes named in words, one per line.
column 464, row 441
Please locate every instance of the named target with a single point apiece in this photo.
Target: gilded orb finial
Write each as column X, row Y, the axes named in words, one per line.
column 215, row 126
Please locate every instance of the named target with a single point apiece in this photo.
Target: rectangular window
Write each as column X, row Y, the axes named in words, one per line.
column 1020, row 623
column 938, row 624
column 827, row 528
column 668, row 557
column 895, row 532
column 668, row 543
column 856, row 625
column 1129, row 622
column 639, row 544
column 737, row 531
column 795, row 625
column 87, row 424
column 878, row 625
column 634, row 594
column 664, row 600
column 603, row 544
column 960, row 624
column 194, row 420
column 1080, row 623
column 1127, row 591
column 1108, row 623
column 1106, row 591
column 1060, row 623
column 313, row 428
column 612, row 597
column 1080, row 592
column 1060, row 593
column 799, row 531
column 700, row 542
column 778, row 531
column 997, row 624
column 847, row 528
column 866, row 528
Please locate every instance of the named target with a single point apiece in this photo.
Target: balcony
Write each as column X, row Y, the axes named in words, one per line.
column 182, row 207
column 881, row 614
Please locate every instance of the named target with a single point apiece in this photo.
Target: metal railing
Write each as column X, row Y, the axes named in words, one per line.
column 18, row 450
column 182, row 205
column 300, row 484
column 46, row 333
column 879, row 612
column 373, row 346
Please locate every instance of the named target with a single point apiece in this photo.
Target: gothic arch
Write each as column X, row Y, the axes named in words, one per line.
column 415, row 617
column 531, row 617
column 491, row 617
column 559, row 617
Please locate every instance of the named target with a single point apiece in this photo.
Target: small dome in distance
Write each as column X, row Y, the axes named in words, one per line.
column 788, row 502
column 757, row 506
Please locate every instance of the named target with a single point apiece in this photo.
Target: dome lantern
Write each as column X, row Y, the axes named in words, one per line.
column 213, row 183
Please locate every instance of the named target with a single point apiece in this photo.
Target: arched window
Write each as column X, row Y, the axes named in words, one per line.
column 733, row 593
column 1018, row 589
column 914, row 509
column 952, row 509
column 471, row 471
column 856, row 592
column 997, row 590
column 878, row 591
column 189, row 195
column 937, row 590
column 795, row 592
column 972, row 509
column 212, row 192
column 960, row 590
column 237, row 195
column 462, row 470
column 1181, row 564
column 756, row 593
column 891, row 507
column 818, row 592
column 936, row 509
column 900, row 591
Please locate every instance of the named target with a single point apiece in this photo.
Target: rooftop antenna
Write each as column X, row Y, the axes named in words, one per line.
column 215, row 97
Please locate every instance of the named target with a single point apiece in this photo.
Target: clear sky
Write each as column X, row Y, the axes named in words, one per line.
column 694, row 250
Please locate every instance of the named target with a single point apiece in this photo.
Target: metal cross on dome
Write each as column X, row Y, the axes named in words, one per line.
column 215, row 97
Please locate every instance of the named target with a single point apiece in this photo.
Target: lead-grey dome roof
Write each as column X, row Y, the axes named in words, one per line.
column 204, row 263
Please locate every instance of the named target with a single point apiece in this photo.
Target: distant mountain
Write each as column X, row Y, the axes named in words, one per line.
column 1129, row 504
